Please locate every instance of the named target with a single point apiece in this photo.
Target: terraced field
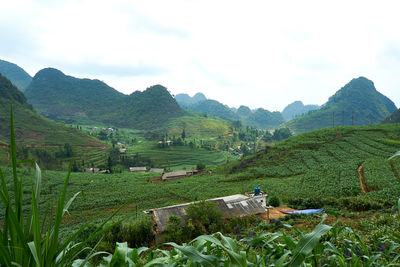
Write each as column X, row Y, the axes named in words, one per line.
column 178, row 157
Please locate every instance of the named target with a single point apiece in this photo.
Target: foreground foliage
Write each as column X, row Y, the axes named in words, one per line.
column 326, row 245
column 28, row 239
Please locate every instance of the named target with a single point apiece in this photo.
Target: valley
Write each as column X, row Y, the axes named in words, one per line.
column 307, row 157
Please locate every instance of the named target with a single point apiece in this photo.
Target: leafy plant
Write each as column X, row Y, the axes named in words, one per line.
column 274, row 201
column 24, row 239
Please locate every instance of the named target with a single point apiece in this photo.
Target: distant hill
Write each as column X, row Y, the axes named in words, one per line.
column 260, row 118
column 69, row 99
column 185, row 99
column 30, row 127
column 215, row 108
column 297, row 108
column 263, row 119
column 18, row 76
column 393, row 118
column 244, row 111
column 358, row 103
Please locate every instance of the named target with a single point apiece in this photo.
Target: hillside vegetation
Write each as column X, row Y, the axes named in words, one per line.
column 357, row 103
column 393, row 118
column 65, row 98
column 18, row 76
column 326, row 163
column 36, row 135
column 260, row 118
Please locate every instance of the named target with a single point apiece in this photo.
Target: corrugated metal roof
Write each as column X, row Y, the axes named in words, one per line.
column 174, row 174
column 137, row 169
column 237, row 206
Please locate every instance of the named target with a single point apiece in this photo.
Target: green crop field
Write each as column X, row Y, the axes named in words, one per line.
column 344, row 170
column 179, row 157
column 321, row 164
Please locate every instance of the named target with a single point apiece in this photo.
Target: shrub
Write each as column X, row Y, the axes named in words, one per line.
column 204, row 215
column 175, row 229
column 361, row 203
column 200, row 166
column 137, row 233
column 305, row 203
column 274, row 201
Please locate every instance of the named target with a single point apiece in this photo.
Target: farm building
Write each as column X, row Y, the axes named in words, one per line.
column 137, row 169
column 178, row 174
column 230, row 206
column 122, row 150
column 160, row 170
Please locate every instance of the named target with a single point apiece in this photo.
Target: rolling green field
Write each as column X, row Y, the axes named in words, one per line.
column 198, row 126
column 179, row 157
column 321, row 165
column 198, row 129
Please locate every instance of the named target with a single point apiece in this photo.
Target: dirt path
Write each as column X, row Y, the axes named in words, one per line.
column 275, row 213
column 364, row 186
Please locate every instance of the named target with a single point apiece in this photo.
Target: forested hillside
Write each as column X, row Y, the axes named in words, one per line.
column 30, row 127
column 393, row 118
column 357, row 103
column 69, row 99
column 18, row 76
column 260, row 118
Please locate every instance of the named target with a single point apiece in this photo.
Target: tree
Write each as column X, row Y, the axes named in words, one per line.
column 281, row 133
column 267, row 137
column 200, row 166
column 183, row 134
column 205, row 216
column 109, row 163
column 236, row 124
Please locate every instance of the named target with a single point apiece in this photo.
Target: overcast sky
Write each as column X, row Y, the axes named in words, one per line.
column 256, row 53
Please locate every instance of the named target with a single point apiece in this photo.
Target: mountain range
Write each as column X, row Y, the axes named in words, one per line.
column 69, row 99
column 260, row 118
column 72, row 100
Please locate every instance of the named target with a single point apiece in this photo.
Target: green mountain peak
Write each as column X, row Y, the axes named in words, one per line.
column 357, row 103
column 18, row 76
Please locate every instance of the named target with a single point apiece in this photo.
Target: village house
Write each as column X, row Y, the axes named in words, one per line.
column 233, row 206
column 122, row 150
column 137, row 169
column 178, row 174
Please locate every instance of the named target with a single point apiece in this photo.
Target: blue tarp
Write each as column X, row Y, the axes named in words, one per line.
column 308, row 211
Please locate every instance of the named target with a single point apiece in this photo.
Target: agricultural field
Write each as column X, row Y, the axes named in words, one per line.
column 345, row 170
column 323, row 164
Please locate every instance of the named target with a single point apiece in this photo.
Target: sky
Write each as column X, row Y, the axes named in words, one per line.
column 257, row 53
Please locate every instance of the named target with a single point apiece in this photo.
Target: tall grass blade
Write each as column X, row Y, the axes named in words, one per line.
column 195, row 256
column 307, row 243
column 394, row 155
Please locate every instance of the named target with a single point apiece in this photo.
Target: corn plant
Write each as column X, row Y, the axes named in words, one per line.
column 25, row 240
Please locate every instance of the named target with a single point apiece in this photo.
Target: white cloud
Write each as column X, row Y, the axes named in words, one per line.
column 256, row 53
